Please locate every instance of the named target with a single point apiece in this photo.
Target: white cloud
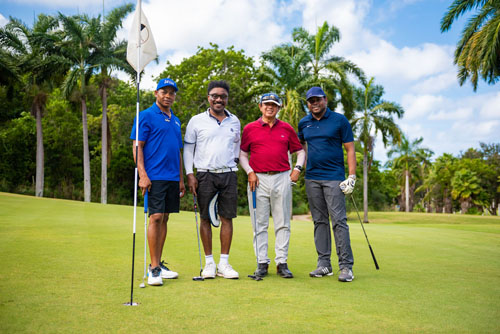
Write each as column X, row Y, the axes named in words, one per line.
column 3, row 20
column 419, row 106
column 491, row 108
column 436, row 83
column 82, row 4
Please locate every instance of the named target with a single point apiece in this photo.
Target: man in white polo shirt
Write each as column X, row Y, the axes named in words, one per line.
column 212, row 143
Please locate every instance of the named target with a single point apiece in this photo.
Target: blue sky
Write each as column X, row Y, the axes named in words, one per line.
column 396, row 41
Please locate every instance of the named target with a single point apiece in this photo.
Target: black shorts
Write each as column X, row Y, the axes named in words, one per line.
column 227, row 186
column 163, row 197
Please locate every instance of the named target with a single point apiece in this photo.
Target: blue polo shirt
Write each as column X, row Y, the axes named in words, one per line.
column 163, row 142
column 324, row 137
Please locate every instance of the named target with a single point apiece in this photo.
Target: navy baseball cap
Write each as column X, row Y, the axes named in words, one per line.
column 315, row 92
column 270, row 97
column 166, row 83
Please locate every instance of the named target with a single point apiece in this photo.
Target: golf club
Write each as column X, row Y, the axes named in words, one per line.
column 371, row 251
column 197, row 278
column 143, row 285
column 254, row 204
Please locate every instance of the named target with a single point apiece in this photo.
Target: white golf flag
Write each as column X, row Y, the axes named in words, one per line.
column 146, row 40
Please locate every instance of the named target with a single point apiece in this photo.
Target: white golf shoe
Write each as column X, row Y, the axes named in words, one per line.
column 167, row 273
column 154, row 276
column 209, row 270
column 226, row 271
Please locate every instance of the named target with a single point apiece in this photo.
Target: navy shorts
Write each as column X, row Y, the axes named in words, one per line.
column 227, row 186
column 163, row 197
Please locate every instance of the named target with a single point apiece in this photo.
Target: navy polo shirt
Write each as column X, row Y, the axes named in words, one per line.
column 324, row 137
column 162, row 143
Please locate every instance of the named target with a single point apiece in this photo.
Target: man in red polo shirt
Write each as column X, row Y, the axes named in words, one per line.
column 268, row 141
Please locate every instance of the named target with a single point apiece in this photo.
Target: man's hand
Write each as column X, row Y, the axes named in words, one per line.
column 253, row 181
column 294, row 176
column 192, row 183
column 144, row 183
column 182, row 188
column 347, row 186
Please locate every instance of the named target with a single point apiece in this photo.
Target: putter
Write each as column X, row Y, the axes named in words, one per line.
column 143, row 285
column 197, row 278
column 369, row 246
column 254, row 204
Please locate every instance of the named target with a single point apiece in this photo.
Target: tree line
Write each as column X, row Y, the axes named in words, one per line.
column 65, row 120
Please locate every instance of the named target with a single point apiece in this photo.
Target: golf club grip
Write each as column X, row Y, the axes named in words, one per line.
column 254, row 199
column 373, row 256
column 146, row 202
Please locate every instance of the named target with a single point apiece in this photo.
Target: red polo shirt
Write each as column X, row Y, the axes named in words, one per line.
column 269, row 146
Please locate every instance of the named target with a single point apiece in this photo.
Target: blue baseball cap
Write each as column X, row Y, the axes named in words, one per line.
column 315, row 92
column 166, row 83
column 270, row 97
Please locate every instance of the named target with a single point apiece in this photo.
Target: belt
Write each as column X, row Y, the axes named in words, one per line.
column 217, row 171
column 271, row 173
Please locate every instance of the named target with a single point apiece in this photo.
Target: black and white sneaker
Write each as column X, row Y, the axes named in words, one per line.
column 321, row 271
column 167, row 273
column 154, row 276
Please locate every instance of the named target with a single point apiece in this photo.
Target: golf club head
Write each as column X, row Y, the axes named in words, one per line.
column 198, row 278
column 255, row 277
column 142, row 285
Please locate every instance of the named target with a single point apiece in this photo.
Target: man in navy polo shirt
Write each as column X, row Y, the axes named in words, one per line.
column 324, row 132
column 159, row 165
column 268, row 140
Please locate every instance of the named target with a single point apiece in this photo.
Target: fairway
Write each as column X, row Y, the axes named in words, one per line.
column 65, row 268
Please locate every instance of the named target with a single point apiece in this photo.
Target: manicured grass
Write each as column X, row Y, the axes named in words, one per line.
column 65, row 268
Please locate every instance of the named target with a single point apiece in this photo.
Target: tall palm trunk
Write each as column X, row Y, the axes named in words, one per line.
column 365, row 187
column 104, row 147
column 407, row 190
column 86, row 155
column 39, row 153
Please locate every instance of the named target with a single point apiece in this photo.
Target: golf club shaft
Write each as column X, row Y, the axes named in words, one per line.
column 254, row 204
column 145, row 232
column 197, row 231
column 363, row 227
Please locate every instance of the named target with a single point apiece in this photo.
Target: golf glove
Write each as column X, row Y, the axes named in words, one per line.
column 347, row 186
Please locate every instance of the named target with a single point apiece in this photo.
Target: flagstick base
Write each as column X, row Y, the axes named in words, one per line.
column 133, row 304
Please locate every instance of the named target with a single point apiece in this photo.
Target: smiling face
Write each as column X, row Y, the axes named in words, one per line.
column 165, row 97
column 317, row 105
column 269, row 110
column 217, row 98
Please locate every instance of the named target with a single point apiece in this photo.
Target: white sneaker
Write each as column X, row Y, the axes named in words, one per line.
column 209, row 270
column 154, row 276
column 226, row 271
column 167, row 273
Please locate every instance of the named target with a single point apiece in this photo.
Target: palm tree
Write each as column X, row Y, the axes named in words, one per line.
column 410, row 161
column 110, row 54
column 79, row 47
column 374, row 116
column 29, row 55
column 465, row 185
column 329, row 72
column 478, row 51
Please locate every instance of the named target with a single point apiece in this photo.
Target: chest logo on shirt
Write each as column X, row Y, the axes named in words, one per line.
column 178, row 124
column 232, row 130
column 282, row 136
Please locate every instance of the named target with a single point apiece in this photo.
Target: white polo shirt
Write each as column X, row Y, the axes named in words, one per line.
column 216, row 145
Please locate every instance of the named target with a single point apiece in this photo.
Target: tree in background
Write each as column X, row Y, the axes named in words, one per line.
column 408, row 164
column 30, row 56
column 110, row 55
column 478, row 51
column 79, row 47
column 374, row 116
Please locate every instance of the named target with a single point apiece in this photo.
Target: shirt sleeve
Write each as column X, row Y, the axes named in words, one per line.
column 144, row 128
column 300, row 133
column 293, row 141
column 190, row 135
column 347, row 135
column 245, row 139
column 236, row 146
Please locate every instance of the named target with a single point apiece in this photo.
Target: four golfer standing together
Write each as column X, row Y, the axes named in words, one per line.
column 212, row 145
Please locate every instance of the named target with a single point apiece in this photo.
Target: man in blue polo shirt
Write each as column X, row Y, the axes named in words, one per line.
column 324, row 132
column 159, row 164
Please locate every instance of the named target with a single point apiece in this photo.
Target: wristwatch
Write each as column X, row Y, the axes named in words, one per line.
column 298, row 167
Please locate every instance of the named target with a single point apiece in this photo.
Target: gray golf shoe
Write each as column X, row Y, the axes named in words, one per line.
column 321, row 271
column 346, row 275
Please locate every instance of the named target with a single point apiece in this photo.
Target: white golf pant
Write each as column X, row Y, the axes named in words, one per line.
column 274, row 195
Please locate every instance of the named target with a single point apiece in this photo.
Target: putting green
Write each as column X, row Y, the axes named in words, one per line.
column 65, row 268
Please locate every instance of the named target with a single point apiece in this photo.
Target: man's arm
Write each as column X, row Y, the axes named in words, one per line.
column 144, row 181
column 301, row 156
column 188, row 165
column 253, row 180
column 182, row 187
column 351, row 157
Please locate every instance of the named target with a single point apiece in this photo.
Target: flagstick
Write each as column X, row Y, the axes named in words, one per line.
column 138, row 78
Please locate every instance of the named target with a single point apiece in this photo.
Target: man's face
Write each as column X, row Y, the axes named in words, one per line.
column 317, row 105
column 165, row 97
column 217, row 98
column 269, row 109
